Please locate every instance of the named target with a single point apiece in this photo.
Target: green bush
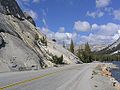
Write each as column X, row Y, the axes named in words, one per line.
column 36, row 37
column 44, row 40
column 57, row 60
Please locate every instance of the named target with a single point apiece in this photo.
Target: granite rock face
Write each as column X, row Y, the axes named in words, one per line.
column 29, row 18
column 19, row 48
column 10, row 7
column 14, row 50
column 1, row 41
column 114, row 48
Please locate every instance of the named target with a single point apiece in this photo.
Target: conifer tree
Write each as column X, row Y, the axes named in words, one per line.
column 72, row 46
column 87, row 53
column 63, row 44
column 87, row 48
column 79, row 53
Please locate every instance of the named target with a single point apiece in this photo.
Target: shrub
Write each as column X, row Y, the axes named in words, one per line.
column 36, row 37
column 22, row 68
column 57, row 60
column 60, row 60
column 44, row 40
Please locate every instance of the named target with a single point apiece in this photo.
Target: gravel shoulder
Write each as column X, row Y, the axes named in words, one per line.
column 100, row 81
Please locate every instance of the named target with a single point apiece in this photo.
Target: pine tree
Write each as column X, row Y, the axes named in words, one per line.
column 63, row 44
column 87, row 48
column 79, row 53
column 72, row 46
column 61, row 60
column 87, row 53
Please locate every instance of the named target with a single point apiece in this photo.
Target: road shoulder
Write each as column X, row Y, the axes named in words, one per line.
column 100, row 81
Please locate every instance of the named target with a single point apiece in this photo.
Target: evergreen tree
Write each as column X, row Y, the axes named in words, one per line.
column 63, row 44
column 87, row 48
column 60, row 60
column 87, row 53
column 72, row 46
column 79, row 53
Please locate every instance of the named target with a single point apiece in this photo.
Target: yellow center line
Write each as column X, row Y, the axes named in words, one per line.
column 29, row 80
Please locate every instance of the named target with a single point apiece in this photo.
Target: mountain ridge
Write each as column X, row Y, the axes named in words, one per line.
column 112, row 48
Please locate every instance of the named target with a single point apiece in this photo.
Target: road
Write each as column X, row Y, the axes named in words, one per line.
column 69, row 77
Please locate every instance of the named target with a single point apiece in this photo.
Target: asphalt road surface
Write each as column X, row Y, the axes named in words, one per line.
column 70, row 77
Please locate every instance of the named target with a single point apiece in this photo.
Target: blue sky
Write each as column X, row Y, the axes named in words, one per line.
column 93, row 21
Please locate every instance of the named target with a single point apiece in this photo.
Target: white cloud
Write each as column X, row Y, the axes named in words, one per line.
column 61, row 30
column 25, row 0
column 36, row 1
column 116, row 14
column 104, row 34
column 102, row 3
column 95, row 14
column 108, row 29
column 44, row 21
column 96, row 39
column 44, row 12
column 45, row 30
column 62, row 36
column 109, row 9
column 59, row 36
column 38, row 28
column 100, row 34
column 32, row 13
column 33, row 1
column 81, row 26
column 92, row 14
column 94, row 27
column 100, row 14
column 101, row 9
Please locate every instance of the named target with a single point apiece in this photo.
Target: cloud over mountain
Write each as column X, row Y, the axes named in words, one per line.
column 81, row 26
column 102, row 3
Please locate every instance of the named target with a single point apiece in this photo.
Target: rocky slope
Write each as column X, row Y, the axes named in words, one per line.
column 113, row 48
column 19, row 48
column 93, row 47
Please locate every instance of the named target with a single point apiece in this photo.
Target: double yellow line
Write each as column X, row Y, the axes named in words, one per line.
column 30, row 80
column 26, row 81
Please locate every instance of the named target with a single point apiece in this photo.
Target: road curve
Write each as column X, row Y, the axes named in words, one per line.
column 71, row 77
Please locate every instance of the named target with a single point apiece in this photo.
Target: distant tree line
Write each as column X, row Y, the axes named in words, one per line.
column 87, row 56
column 106, row 57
